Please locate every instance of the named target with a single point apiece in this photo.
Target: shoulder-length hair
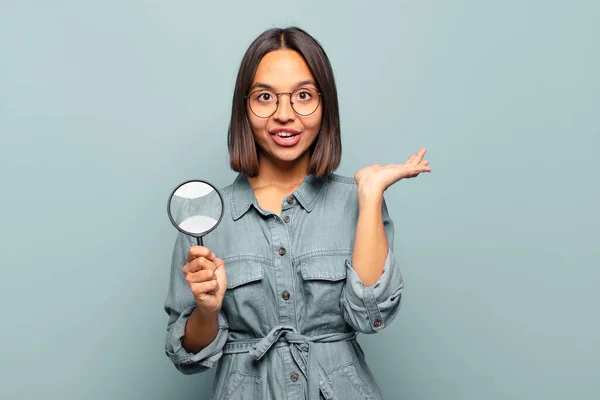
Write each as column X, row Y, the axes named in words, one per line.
column 326, row 151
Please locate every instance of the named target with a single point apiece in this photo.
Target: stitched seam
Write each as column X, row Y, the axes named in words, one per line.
column 342, row 179
column 248, row 257
column 312, row 204
column 321, row 253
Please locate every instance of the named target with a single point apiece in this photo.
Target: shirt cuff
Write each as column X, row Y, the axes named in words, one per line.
column 376, row 304
column 190, row 363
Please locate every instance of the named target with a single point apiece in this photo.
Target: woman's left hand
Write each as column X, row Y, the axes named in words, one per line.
column 377, row 178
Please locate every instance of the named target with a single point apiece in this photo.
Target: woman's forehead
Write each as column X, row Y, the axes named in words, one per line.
column 282, row 69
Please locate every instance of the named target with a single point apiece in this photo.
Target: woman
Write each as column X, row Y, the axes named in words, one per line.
column 302, row 260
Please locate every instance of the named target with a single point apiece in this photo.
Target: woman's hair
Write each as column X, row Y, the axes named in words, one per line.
column 326, row 151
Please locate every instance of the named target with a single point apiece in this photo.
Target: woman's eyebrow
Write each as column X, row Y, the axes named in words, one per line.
column 262, row 85
column 306, row 82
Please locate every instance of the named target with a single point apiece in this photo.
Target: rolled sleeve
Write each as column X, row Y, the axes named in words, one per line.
column 179, row 305
column 191, row 363
column 368, row 309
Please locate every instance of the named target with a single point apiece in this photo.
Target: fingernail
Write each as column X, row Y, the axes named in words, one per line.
column 212, row 255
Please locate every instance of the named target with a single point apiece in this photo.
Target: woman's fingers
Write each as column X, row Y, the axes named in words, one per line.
column 202, row 282
column 411, row 159
column 419, row 170
column 417, row 157
column 219, row 263
column 200, row 276
column 200, row 251
column 204, row 287
column 199, row 264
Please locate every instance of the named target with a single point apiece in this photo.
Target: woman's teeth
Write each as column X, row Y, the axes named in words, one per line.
column 285, row 135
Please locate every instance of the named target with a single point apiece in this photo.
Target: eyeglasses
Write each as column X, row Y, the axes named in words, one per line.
column 263, row 103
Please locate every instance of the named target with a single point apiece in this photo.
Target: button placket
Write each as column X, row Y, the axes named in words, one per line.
column 284, row 279
column 282, row 264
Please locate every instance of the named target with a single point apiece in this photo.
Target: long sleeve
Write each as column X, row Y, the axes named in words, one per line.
column 368, row 309
column 179, row 305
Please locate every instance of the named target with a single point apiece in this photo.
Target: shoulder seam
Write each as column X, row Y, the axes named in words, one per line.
column 342, row 179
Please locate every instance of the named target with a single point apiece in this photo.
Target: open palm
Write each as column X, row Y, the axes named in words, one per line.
column 378, row 178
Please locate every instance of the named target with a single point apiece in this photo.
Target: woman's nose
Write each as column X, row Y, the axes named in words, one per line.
column 284, row 112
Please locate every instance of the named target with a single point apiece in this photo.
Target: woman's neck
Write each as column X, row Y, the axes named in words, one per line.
column 280, row 175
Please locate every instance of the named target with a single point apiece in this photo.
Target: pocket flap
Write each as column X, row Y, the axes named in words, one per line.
column 324, row 268
column 243, row 272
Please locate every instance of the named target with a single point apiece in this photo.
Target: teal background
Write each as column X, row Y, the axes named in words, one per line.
column 106, row 106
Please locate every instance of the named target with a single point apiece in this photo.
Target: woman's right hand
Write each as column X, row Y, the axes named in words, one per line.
column 205, row 275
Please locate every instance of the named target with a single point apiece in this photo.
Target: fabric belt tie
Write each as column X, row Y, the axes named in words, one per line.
column 300, row 345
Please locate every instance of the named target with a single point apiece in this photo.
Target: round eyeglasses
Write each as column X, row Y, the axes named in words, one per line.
column 263, row 103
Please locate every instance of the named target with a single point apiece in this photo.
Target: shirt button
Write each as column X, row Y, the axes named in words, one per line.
column 286, row 219
column 285, row 295
column 294, row 377
column 290, row 199
column 282, row 251
column 377, row 323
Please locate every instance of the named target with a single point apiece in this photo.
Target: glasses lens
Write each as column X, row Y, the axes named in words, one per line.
column 263, row 103
column 305, row 101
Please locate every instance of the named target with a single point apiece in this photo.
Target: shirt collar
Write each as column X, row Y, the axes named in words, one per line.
column 242, row 196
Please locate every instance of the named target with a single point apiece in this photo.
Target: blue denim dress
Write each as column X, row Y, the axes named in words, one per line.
column 294, row 304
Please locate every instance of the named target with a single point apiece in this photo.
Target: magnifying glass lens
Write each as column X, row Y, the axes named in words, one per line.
column 195, row 208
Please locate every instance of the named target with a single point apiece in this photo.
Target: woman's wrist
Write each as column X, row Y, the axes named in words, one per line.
column 369, row 197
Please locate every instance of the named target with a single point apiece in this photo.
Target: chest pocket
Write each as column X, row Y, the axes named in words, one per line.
column 244, row 301
column 323, row 279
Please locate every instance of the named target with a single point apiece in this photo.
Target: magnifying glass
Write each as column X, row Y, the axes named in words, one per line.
column 195, row 208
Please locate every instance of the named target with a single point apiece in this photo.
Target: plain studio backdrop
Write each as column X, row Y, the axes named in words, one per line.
column 105, row 106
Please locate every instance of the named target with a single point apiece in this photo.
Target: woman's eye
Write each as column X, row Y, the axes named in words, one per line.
column 303, row 96
column 265, row 97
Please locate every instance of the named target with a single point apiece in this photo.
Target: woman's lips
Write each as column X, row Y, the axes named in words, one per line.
column 285, row 137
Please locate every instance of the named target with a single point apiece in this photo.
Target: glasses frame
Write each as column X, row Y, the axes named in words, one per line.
column 319, row 94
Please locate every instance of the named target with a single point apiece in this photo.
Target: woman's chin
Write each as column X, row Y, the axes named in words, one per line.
column 288, row 157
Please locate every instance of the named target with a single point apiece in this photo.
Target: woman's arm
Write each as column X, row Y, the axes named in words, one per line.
column 200, row 330
column 370, row 242
column 192, row 346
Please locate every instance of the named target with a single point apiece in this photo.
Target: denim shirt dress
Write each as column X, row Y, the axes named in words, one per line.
column 293, row 304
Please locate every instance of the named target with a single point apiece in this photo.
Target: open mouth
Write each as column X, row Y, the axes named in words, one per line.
column 286, row 134
column 286, row 138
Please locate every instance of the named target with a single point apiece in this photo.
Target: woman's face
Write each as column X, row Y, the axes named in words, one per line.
column 285, row 136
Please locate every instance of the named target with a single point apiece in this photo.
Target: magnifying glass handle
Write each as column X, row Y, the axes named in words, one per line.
column 199, row 241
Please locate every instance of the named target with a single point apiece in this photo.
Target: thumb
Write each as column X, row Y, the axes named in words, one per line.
column 219, row 263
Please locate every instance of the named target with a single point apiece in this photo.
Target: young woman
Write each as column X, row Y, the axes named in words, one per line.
column 302, row 260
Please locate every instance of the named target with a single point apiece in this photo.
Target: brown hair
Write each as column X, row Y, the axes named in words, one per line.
column 326, row 151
